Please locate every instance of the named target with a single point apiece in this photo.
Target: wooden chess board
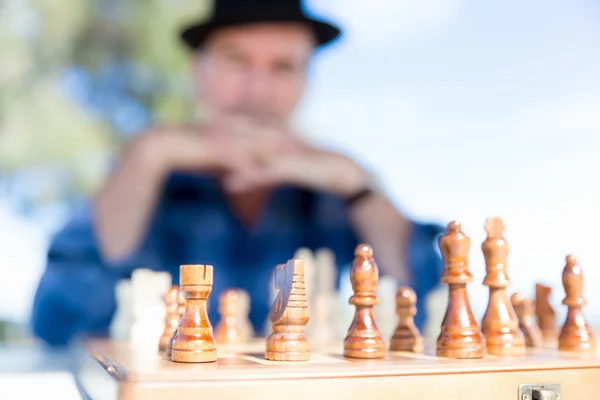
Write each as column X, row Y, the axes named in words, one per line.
column 111, row 370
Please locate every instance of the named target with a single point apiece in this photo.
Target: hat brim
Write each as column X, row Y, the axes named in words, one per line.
column 195, row 35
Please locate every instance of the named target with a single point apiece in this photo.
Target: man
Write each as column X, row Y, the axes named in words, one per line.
column 240, row 191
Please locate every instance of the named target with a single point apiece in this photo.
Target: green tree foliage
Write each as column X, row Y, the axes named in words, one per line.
column 40, row 123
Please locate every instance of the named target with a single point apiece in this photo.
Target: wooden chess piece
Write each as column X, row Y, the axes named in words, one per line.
column 500, row 324
column 407, row 336
column 194, row 341
column 460, row 335
column 525, row 313
column 172, row 319
column 364, row 338
column 179, row 310
column 289, row 315
column 234, row 327
column 575, row 334
column 545, row 314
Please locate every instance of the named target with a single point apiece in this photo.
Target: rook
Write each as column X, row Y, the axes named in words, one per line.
column 194, row 341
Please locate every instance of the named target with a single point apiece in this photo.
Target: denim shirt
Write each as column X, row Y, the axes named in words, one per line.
column 193, row 224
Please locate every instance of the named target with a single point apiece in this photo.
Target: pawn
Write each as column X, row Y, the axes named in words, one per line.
column 172, row 319
column 576, row 334
column 234, row 327
column 460, row 336
column 194, row 341
column 364, row 338
column 545, row 314
column 407, row 336
column 527, row 323
column 500, row 324
column 289, row 315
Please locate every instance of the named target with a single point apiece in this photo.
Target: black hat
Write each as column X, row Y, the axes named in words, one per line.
column 241, row 12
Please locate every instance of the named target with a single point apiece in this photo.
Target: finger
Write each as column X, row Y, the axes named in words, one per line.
column 240, row 182
column 240, row 132
column 235, row 156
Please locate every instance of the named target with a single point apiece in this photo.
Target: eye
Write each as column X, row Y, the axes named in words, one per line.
column 234, row 59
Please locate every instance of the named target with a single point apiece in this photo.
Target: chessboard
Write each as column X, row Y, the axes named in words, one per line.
column 508, row 355
column 116, row 370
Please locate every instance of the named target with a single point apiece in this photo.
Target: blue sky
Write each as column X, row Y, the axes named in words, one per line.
column 478, row 59
column 469, row 109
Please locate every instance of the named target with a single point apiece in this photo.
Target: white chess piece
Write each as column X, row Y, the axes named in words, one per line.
column 326, row 270
column 148, row 307
column 435, row 306
column 345, row 313
column 310, row 273
column 325, row 304
column 272, row 296
column 310, row 282
column 120, row 326
column 385, row 311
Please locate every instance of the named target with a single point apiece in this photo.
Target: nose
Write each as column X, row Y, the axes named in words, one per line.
column 258, row 86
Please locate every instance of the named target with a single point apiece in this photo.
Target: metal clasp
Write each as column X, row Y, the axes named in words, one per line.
column 539, row 391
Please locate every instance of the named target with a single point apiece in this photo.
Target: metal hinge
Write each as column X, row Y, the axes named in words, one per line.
column 540, row 391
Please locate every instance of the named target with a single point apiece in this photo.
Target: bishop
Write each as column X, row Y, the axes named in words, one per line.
column 576, row 334
column 460, row 336
column 364, row 338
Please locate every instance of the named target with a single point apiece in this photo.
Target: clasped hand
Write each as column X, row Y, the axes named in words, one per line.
column 247, row 156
